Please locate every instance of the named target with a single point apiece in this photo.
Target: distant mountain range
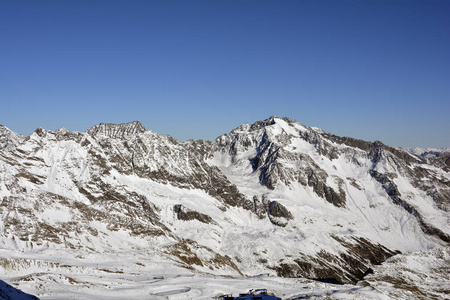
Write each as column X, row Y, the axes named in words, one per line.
column 274, row 197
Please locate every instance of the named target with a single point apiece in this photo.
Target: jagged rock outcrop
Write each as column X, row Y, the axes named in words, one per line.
column 349, row 266
column 186, row 214
column 116, row 130
column 277, row 213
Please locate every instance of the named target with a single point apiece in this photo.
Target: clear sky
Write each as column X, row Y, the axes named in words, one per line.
column 374, row 70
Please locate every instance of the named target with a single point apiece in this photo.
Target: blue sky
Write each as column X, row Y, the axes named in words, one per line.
column 374, row 70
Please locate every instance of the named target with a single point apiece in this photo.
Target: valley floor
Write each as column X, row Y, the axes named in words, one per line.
column 422, row 275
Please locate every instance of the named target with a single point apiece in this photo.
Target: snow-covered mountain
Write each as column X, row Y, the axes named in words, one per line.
column 123, row 203
column 434, row 155
column 9, row 139
column 426, row 151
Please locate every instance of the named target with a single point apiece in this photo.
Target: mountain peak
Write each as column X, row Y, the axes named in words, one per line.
column 62, row 130
column 8, row 138
column 116, row 130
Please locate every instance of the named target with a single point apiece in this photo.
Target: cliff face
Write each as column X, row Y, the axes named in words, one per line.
column 273, row 197
column 110, row 130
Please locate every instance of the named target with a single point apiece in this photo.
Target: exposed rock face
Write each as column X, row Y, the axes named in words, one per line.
column 274, row 196
column 324, row 191
column 185, row 214
column 116, row 130
column 277, row 213
column 348, row 267
column 187, row 252
column 261, row 206
column 163, row 159
column 277, row 161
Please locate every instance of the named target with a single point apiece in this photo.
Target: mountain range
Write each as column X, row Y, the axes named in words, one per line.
column 121, row 211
